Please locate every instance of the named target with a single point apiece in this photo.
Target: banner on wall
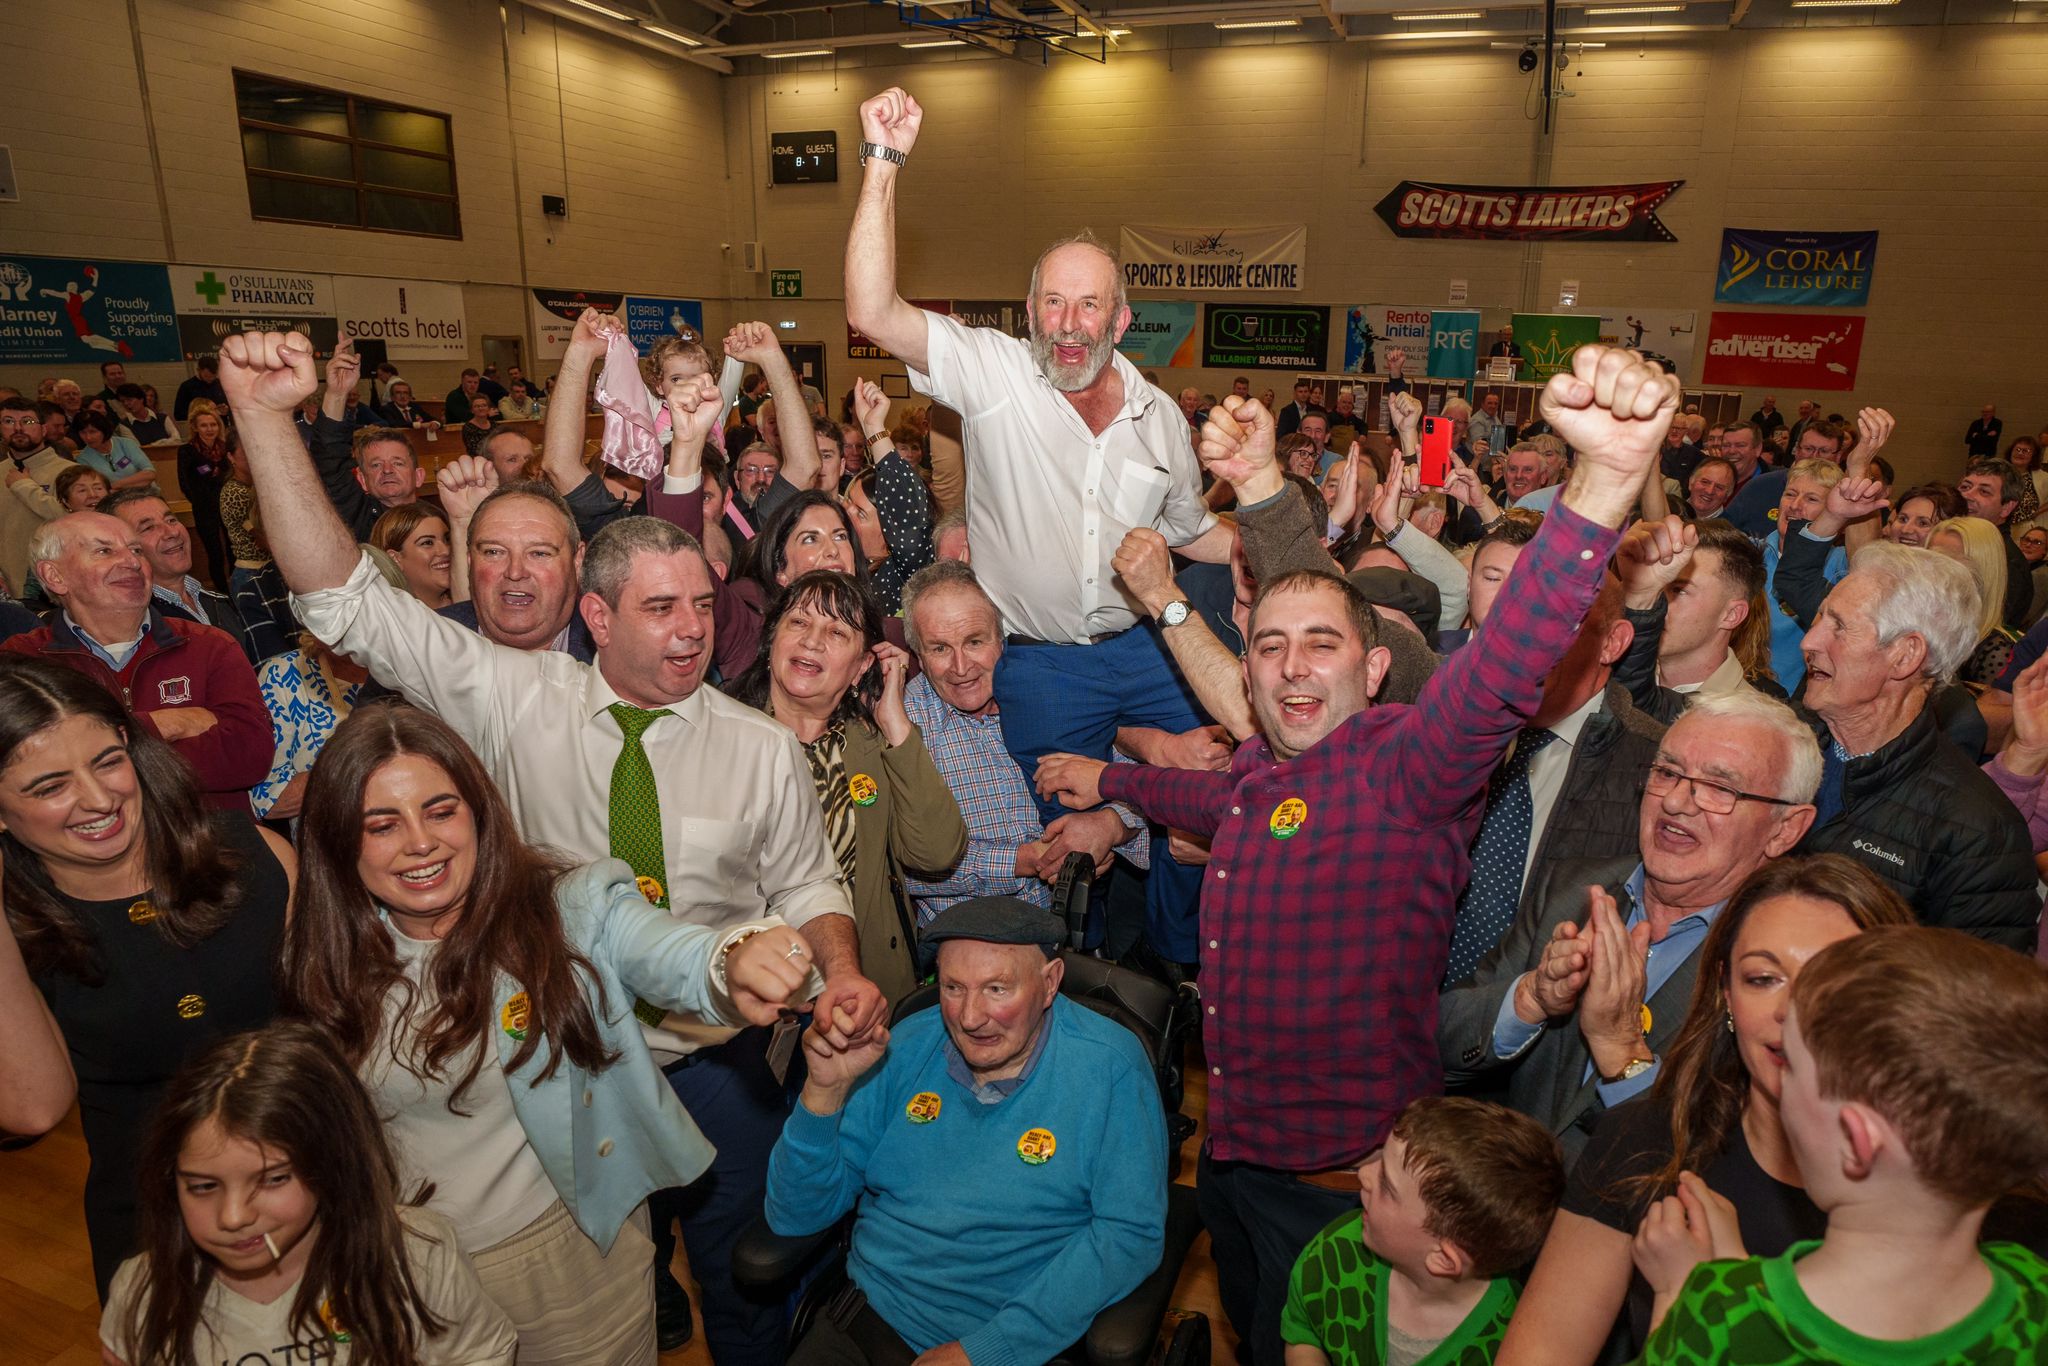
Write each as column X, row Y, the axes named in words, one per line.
column 1783, row 350
column 1242, row 260
column 1453, row 343
column 860, row 346
column 1522, row 213
column 1666, row 333
column 1825, row 269
column 1547, row 340
column 72, row 311
column 1160, row 333
column 415, row 319
column 1372, row 330
column 216, row 302
column 1004, row 315
column 649, row 319
column 1265, row 337
column 555, row 312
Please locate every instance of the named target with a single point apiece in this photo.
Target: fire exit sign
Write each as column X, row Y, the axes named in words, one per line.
column 785, row 284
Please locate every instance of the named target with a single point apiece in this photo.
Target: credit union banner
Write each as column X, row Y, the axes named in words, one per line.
column 1783, row 350
column 1558, row 213
column 64, row 310
column 1824, row 269
column 1241, row 260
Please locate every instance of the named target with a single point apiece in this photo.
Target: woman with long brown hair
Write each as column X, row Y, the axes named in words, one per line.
column 486, row 992
column 147, row 924
column 203, row 467
column 1712, row 1118
column 415, row 536
column 273, row 1226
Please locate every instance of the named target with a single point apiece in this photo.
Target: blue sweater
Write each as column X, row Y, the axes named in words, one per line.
column 958, row 1236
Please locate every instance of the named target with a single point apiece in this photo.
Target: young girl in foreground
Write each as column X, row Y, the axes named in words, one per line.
column 272, row 1229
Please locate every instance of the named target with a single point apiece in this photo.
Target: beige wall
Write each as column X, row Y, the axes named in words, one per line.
column 1934, row 136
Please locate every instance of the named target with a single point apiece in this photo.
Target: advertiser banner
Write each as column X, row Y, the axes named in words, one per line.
column 1783, row 350
column 1372, row 330
column 860, row 346
column 1663, row 333
column 1006, row 316
column 1261, row 337
column 1241, row 260
column 1562, row 213
column 60, row 309
column 1828, row 269
column 1160, row 334
column 649, row 319
column 1548, row 340
column 415, row 319
column 1453, row 343
column 555, row 312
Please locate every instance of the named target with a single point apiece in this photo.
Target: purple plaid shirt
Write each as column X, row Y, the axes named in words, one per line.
column 1322, row 947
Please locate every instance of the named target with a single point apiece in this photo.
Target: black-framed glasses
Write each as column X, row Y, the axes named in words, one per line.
column 1716, row 799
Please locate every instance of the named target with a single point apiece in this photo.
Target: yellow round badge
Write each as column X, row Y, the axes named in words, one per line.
column 650, row 888
column 923, row 1107
column 862, row 789
column 191, row 1007
column 141, row 913
column 514, row 1016
column 1647, row 1017
column 331, row 1323
column 1287, row 818
column 1037, row 1146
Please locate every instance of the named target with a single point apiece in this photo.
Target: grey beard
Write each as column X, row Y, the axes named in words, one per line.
column 1070, row 378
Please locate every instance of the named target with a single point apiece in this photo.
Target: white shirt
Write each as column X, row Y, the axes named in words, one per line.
column 233, row 1328
column 740, row 820
column 487, row 1179
column 1048, row 501
column 1547, row 770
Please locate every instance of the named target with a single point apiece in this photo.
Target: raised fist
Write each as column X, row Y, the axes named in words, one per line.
column 891, row 119
column 463, row 483
column 270, row 371
column 870, row 407
column 1612, row 407
column 594, row 331
column 344, row 367
column 693, row 406
column 1238, row 439
column 752, row 342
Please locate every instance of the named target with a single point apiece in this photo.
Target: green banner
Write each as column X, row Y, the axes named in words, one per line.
column 1547, row 340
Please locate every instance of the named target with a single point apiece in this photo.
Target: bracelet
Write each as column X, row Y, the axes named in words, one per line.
column 876, row 149
column 718, row 963
column 869, row 441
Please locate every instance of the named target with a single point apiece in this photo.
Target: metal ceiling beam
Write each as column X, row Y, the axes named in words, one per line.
column 626, row 33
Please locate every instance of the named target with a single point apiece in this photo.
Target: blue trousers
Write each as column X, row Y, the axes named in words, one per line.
column 1259, row 1220
column 740, row 1107
column 1071, row 699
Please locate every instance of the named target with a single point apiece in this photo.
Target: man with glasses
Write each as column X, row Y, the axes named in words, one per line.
column 30, row 469
column 1577, row 1004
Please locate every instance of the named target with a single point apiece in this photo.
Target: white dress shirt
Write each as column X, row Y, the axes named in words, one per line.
column 1048, row 501
column 740, row 820
column 1547, row 770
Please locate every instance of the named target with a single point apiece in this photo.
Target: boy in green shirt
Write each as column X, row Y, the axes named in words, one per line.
column 1915, row 1094
column 1462, row 1193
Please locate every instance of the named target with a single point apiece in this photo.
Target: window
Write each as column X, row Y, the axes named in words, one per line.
column 322, row 156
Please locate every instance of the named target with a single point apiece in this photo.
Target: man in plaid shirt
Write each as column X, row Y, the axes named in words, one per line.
column 1340, row 837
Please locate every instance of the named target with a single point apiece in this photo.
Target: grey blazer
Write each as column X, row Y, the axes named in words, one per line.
column 1547, row 1080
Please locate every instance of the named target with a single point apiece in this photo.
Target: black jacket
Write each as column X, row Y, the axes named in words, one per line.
column 1917, row 812
column 1597, row 810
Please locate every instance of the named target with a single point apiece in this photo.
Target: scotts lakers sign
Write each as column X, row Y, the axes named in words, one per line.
column 1559, row 213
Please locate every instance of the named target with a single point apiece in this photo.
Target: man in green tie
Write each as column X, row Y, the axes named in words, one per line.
column 710, row 802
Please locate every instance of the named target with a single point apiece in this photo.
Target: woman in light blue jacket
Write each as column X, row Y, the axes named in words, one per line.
column 485, row 992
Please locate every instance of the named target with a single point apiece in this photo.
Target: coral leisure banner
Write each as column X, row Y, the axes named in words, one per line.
column 1599, row 213
column 1783, row 350
column 1241, row 260
column 1821, row 269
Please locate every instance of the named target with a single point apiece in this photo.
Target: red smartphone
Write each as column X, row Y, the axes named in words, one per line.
column 1436, row 452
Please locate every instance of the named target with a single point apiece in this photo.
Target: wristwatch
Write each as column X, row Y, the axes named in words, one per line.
column 1174, row 613
column 876, row 149
column 1635, row 1068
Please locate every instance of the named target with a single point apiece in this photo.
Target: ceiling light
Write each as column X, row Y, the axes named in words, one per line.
column 1454, row 14
column 685, row 39
column 935, row 42
column 606, row 10
column 1842, row 4
column 1116, row 33
column 1634, row 9
column 806, row 52
column 1260, row 23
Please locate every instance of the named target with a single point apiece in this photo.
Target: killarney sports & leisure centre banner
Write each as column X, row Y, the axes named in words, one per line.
column 1815, row 269
column 1241, row 260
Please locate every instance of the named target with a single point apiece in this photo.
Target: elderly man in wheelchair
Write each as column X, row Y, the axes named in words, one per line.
column 1004, row 1156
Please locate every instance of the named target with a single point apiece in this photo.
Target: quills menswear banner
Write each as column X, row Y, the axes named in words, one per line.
column 1564, row 213
column 1242, row 260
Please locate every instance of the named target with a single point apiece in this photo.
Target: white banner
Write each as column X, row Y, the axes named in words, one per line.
column 1240, row 260
column 225, row 290
column 415, row 319
column 1666, row 332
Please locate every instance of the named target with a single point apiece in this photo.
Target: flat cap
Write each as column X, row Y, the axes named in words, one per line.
column 997, row 920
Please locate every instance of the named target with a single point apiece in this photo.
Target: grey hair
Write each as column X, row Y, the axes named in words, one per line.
column 1801, row 778
column 1924, row 594
column 1084, row 238
column 608, row 559
column 940, row 574
column 49, row 541
column 956, row 520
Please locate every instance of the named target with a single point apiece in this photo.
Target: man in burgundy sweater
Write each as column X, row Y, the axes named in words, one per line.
column 1339, row 837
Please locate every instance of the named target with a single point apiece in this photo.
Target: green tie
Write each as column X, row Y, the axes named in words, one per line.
column 636, row 820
